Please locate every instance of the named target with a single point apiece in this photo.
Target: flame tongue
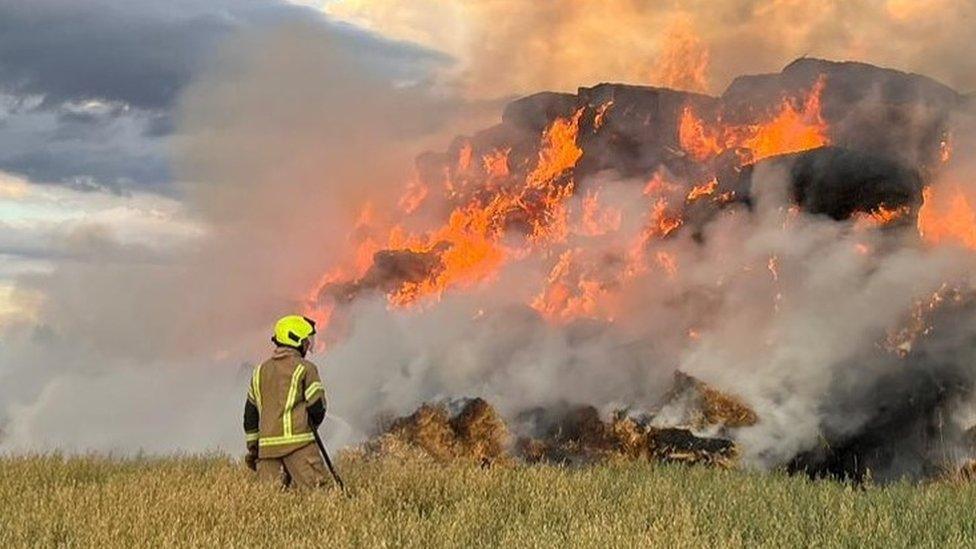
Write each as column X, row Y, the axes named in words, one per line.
column 947, row 216
column 791, row 129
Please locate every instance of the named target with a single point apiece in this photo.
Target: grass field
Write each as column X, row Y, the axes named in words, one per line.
column 214, row 502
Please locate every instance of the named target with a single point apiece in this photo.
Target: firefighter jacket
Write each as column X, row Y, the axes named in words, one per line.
column 285, row 401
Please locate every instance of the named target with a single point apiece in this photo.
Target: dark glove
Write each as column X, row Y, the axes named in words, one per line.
column 251, row 459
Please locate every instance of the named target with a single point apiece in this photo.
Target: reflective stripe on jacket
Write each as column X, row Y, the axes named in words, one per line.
column 282, row 388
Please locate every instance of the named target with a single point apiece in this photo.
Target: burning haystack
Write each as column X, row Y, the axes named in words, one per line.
column 796, row 241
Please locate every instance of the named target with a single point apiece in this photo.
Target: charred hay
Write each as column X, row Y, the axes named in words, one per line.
column 569, row 435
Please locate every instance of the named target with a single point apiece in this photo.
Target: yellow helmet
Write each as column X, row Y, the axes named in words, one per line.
column 293, row 330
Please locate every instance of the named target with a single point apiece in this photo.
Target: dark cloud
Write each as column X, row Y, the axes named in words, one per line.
column 84, row 150
column 133, row 51
column 90, row 85
column 141, row 52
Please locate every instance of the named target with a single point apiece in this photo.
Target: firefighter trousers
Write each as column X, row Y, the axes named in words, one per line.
column 302, row 468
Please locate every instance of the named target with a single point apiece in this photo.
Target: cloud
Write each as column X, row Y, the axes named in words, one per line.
column 135, row 51
column 45, row 224
column 85, row 149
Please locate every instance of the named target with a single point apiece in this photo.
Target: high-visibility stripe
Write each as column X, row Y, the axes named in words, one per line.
column 251, row 437
column 293, row 393
column 256, row 386
column 280, row 441
column 311, row 390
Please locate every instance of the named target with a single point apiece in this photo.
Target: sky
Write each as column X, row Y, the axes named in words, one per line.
column 153, row 154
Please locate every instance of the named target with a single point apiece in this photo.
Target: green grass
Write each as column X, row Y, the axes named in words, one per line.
column 214, row 502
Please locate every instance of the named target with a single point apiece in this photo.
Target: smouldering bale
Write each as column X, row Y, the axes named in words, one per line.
column 693, row 403
column 475, row 433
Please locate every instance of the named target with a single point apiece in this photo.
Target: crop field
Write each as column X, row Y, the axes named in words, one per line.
column 214, row 501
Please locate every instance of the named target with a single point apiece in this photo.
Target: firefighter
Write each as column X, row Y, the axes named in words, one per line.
column 285, row 402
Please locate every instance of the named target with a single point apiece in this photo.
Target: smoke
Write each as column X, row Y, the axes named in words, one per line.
column 520, row 47
column 279, row 142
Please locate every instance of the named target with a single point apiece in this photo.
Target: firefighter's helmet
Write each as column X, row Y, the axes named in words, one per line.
column 293, row 330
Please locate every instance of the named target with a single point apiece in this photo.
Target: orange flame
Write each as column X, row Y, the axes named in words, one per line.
column 789, row 130
column 469, row 248
column 701, row 142
column 663, row 222
column 495, row 164
column 601, row 114
column 504, row 211
column 415, row 194
column 881, row 216
column 684, row 59
column 946, row 216
column 562, row 299
column 559, row 152
column 704, row 189
column 945, row 148
column 596, row 219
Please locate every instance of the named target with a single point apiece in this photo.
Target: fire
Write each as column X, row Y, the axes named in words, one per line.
column 596, row 219
column 570, row 294
column 503, row 211
column 881, row 216
column 791, row 129
column 704, row 189
column 945, row 148
column 469, row 247
column 663, row 222
column 701, row 142
column 947, row 216
column 667, row 262
column 413, row 197
column 601, row 114
column 470, row 254
column 658, row 184
column 559, row 151
column 684, row 59
column 495, row 164
column 464, row 157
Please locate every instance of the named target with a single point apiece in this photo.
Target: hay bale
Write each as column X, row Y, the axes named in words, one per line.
column 575, row 435
column 693, row 403
column 428, row 428
column 479, row 432
column 965, row 473
column 629, row 438
column 476, row 432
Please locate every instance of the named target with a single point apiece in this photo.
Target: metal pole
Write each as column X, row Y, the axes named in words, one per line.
column 328, row 461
